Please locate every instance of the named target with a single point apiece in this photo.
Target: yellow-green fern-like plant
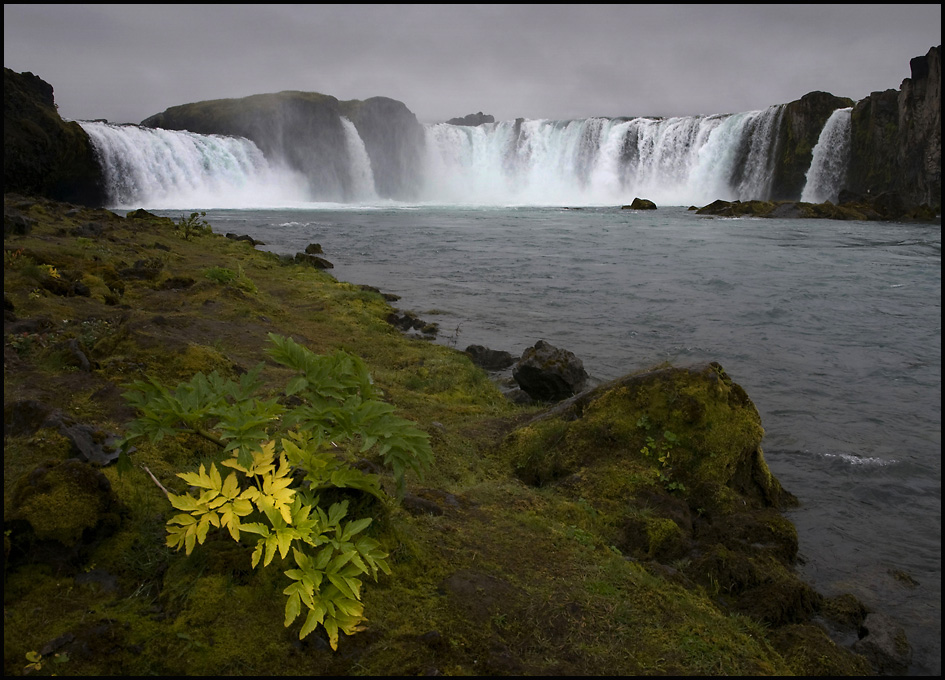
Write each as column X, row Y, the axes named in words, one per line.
column 280, row 458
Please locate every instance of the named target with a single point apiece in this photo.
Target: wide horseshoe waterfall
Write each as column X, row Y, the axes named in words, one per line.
column 596, row 161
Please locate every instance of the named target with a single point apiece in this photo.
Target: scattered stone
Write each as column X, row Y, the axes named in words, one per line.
column 16, row 223
column 89, row 230
column 248, row 239
column 90, row 444
column 420, row 506
column 23, row 418
column 314, row 261
column 408, row 321
column 104, row 579
column 77, row 356
column 489, row 359
column 9, row 309
column 547, row 373
column 141, row 214
column 883, row 642
column 146, row 269
column 640, row 204
column 904, row 577
column 56, row 644
column 390, row 297
column 314, row 249
column 177, row 283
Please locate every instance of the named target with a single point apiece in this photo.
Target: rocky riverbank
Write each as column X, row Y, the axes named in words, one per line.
column 633, row 528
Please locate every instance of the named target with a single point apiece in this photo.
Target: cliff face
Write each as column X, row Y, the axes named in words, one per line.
column 801, row 124
column 42, row 154
column 305, row 131
column 897, row 137
column 394, row 140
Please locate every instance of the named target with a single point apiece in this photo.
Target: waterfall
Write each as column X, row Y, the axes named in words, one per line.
column 362, row 177
column 171, row 169
column 683, row 160
column 831, row 159
column 674, row 161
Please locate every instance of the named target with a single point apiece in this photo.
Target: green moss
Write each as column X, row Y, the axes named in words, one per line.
column 61, row 501
column 664, row 536
column 561, row 592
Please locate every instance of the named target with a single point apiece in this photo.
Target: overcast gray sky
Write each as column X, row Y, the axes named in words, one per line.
column 127, row 62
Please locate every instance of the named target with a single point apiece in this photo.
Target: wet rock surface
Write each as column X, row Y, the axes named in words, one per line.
column 547, row 373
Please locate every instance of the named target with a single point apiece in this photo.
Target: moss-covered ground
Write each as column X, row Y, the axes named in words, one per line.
column 633, row 530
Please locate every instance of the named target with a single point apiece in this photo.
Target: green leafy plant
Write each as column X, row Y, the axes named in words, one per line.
column 36, row 661
column 661, row 448
column 281, row 457
column 220, row 275
column 189, row 227
column 224, row 276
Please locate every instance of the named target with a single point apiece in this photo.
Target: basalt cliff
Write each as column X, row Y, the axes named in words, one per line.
column 305, row 129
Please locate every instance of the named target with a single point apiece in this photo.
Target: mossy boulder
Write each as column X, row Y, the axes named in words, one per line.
column 671, row 462
column 694, row 425
column 722, row 208
column 69, row 502
column 43, row 154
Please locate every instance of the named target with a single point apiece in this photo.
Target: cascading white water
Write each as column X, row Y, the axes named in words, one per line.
column 362, row 177
column 171, row 169
column 675, row 161
column 595, row 161
column 831, row 159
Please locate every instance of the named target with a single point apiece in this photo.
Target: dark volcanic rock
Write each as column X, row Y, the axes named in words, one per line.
column 547, row 373
column 314, row 261
column 244, row 237
column 801, row 124
column 305, row 130
column 897, row 137
column 884, row 644
column 640, row 204
column 42, row 154
column 472, row 120
column 489, row 359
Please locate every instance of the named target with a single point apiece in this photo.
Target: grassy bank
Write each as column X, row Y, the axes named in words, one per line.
column 635, row 530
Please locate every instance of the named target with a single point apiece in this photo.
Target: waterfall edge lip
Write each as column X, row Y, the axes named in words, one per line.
column 592, row 162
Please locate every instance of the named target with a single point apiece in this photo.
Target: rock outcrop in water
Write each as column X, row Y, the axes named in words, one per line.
column 43, row 154
column 305, row 130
